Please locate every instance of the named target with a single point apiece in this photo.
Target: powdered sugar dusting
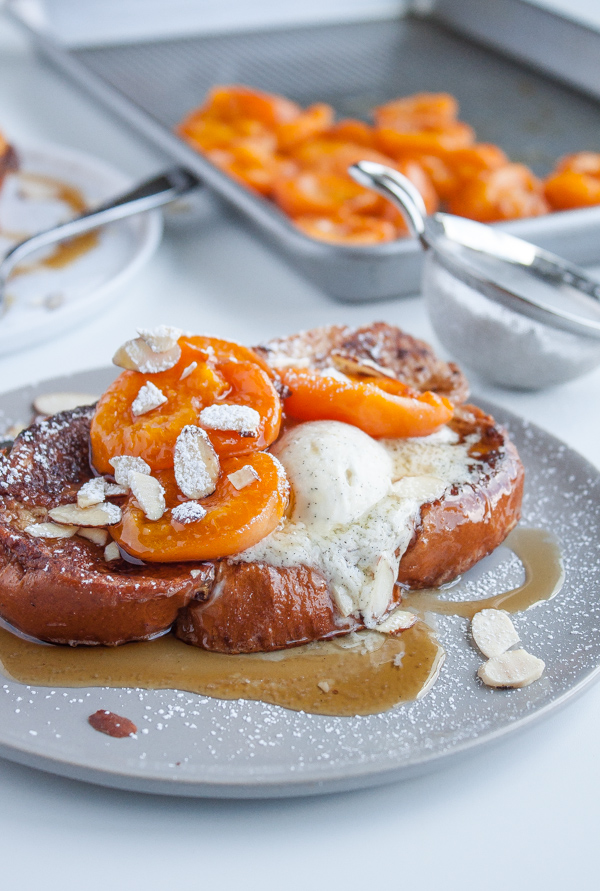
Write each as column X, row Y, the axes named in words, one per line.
column 225, row 416
column 196, row 463
column 148, row 398
column 188, row 512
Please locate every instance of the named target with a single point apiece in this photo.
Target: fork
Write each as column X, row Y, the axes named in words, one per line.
column 155, row 192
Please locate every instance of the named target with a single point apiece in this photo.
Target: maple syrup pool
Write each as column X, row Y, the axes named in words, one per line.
column 359, row 674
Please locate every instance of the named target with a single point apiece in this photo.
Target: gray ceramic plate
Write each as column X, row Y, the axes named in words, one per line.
column 195, row 746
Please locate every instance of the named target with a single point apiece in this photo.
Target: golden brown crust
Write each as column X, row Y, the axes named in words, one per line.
column 63, row 590
column 411, row 360
column 468, row 523
column 255, row 608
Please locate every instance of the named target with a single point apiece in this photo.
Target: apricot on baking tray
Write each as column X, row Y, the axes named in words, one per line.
column 411, row 143
column 229, row 103
column 322, row 193
column 352, row 229
column 421, row 111
column 575, row 182
column 314, row 120
column 381, row 407
column 235, row 519
column 506, row 193
column 210, row 371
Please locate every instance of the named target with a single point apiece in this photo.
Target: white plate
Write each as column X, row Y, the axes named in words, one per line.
column 192, row 745
column 46, row 301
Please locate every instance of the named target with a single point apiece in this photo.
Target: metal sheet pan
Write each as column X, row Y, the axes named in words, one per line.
column 537, row 98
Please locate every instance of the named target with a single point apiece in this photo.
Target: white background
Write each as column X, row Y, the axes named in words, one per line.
column 522, row 815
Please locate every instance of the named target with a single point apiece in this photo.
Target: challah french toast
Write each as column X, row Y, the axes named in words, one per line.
column 219, row 534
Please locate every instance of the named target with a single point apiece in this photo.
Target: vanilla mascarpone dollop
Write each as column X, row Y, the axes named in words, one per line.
column 356, row 503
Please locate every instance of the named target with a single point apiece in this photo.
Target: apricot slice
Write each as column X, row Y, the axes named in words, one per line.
column 506, row 193
column 381, row 407
column 235, row 519
column 209, row 371
column 575, row 182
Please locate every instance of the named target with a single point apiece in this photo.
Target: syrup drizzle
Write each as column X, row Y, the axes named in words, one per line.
column 361, row 674
column 67, row 251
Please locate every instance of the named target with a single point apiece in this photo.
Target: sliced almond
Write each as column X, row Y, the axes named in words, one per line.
column 92, row 492
column 136, row 355
column 148, row 398
column 352, row 365
column 124, row 465
column 324, row 686
column 188, row 512
column 342, row 600
column 517, row 668
column 493, row 632
column 397, row 621
column 106, row 514
column 243, row 477
column 148, row 493
column 50, row 530
column 382, row 588
column 187, row 371
column 161, row 338
column 196, row 463
column 112, row 552
column 226, row 416
column 112, row 490
column 94, row 534
column 53, row 403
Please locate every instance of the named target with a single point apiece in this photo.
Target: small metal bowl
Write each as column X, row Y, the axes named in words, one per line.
column 518, row 315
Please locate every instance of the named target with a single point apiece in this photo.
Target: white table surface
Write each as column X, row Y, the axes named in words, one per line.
column 522, row 815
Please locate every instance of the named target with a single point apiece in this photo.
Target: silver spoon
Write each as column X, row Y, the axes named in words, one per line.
column 155, row 192
column 519, row 315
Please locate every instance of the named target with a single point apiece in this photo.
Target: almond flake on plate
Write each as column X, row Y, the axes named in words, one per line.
column 188, row 512
column 50, row 530
column 92, row 492
column 493, row 632
column 136, row 355
column 517, row 668
column 124, row 465
column 196, row 463
column 53, row 403
column 95, row 534
column 148, row 493
column 112, row 552
column 161, row 338
column 398, row 620
column 148, row 397
column 105, row 514
column 243, row 477
column 239, row 418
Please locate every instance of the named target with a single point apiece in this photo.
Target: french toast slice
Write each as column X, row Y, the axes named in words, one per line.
column 453, row 533
column 63, row 590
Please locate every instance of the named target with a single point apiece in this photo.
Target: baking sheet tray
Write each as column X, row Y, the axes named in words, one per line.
column 530, row 114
